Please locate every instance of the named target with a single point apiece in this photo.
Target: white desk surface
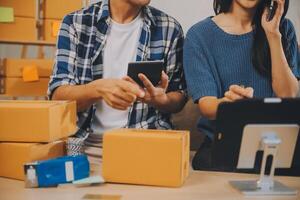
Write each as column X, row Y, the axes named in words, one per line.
column 199, row 186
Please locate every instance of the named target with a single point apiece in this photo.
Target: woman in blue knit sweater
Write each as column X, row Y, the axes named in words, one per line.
column 239, row 53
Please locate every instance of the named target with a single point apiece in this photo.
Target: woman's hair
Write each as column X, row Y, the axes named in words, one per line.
column 261, row 56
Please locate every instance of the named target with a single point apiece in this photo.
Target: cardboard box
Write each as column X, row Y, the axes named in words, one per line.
column 23, row 8
column 57, row 9
column 22, row 29
column 17, row 87
column 13, row 156
column 37, row 121
column 146, row 157
column 14, row 67
column 54, row 9
column 51, row 30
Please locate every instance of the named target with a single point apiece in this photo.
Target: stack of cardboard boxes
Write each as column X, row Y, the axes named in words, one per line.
column 36, row 22
column 25, row 77
column 33, row 130
column 24, row 27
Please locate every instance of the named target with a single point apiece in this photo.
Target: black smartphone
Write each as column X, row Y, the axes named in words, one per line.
column 271, row 10
column 151, row 69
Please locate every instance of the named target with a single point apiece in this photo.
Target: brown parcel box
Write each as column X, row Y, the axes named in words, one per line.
column 17, row 87
column 22, row 29
column 22, row 8
column 57, row 9
column 13, row 67
column 54, row 9
column 146, row 157
column 14, row 155
column 37, row 121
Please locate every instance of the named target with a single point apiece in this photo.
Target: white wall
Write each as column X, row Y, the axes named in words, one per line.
column 187, row 12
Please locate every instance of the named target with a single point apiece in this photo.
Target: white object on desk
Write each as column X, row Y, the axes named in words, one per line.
column 278, row 141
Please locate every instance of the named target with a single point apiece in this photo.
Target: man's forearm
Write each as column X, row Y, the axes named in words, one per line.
column 84, row 95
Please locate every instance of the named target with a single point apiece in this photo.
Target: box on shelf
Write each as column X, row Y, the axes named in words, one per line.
column 57, row 9
column 146, row 157
column 22, row 29
column 24, row 8
column 18, row 87
column 53, row 9
column 13, row 156
column 37, row 121
column 13, row 67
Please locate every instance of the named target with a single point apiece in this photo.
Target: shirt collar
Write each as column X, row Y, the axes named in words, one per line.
column 104, row 13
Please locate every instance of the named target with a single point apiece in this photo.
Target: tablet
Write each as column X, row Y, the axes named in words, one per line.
column 151, row 69
column 232, row 118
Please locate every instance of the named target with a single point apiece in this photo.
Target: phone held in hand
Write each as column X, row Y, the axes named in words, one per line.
column 271, row 10
column 151, row 69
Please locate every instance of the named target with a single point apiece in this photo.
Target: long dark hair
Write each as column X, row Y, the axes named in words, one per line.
column 261, row 56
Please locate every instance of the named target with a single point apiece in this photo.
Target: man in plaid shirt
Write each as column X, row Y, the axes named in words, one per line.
column 94, row 47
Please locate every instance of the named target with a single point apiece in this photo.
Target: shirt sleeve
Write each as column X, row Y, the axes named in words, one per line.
column 174, row 61
column 198, row 74
column 292, row 49
column 64, row 69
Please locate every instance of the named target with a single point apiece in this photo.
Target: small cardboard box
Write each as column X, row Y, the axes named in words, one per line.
column 13, row 67
column 23, row 8
column 146, row 157
column 22, row 29
column 57, row 9
column 13, row 156
column 18, row 87
column 37, row 121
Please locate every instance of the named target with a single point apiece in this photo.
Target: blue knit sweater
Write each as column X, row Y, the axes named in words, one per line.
column 214, row 60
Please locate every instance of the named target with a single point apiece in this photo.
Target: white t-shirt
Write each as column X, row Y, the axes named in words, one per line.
column 120, row 49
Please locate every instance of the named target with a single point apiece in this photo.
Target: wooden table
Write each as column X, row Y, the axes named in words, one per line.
column 199, row 186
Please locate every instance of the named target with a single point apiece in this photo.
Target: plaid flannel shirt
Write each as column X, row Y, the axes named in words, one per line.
column 79, row 58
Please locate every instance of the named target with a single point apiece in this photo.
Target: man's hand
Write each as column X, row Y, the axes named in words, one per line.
column 237, row 92
column 155, row 96
column 119, row 94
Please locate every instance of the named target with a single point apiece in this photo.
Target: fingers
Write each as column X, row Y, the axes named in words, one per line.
column 250, row 92
column 127, row 78
column 233, row 96
column 265, row 15
column 147, row 83
column 244, row 92
column 164, row 80
column 280, row 8
column 132, row 88
column 127, row 97
column 116, row 103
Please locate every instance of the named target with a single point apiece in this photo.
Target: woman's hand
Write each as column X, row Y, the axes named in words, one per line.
column 272, row 27
column 236, row 92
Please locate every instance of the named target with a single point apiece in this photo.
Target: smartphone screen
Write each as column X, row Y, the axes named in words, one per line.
column 151, row 69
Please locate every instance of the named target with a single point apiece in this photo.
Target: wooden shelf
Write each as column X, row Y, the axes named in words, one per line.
column 20, row 42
